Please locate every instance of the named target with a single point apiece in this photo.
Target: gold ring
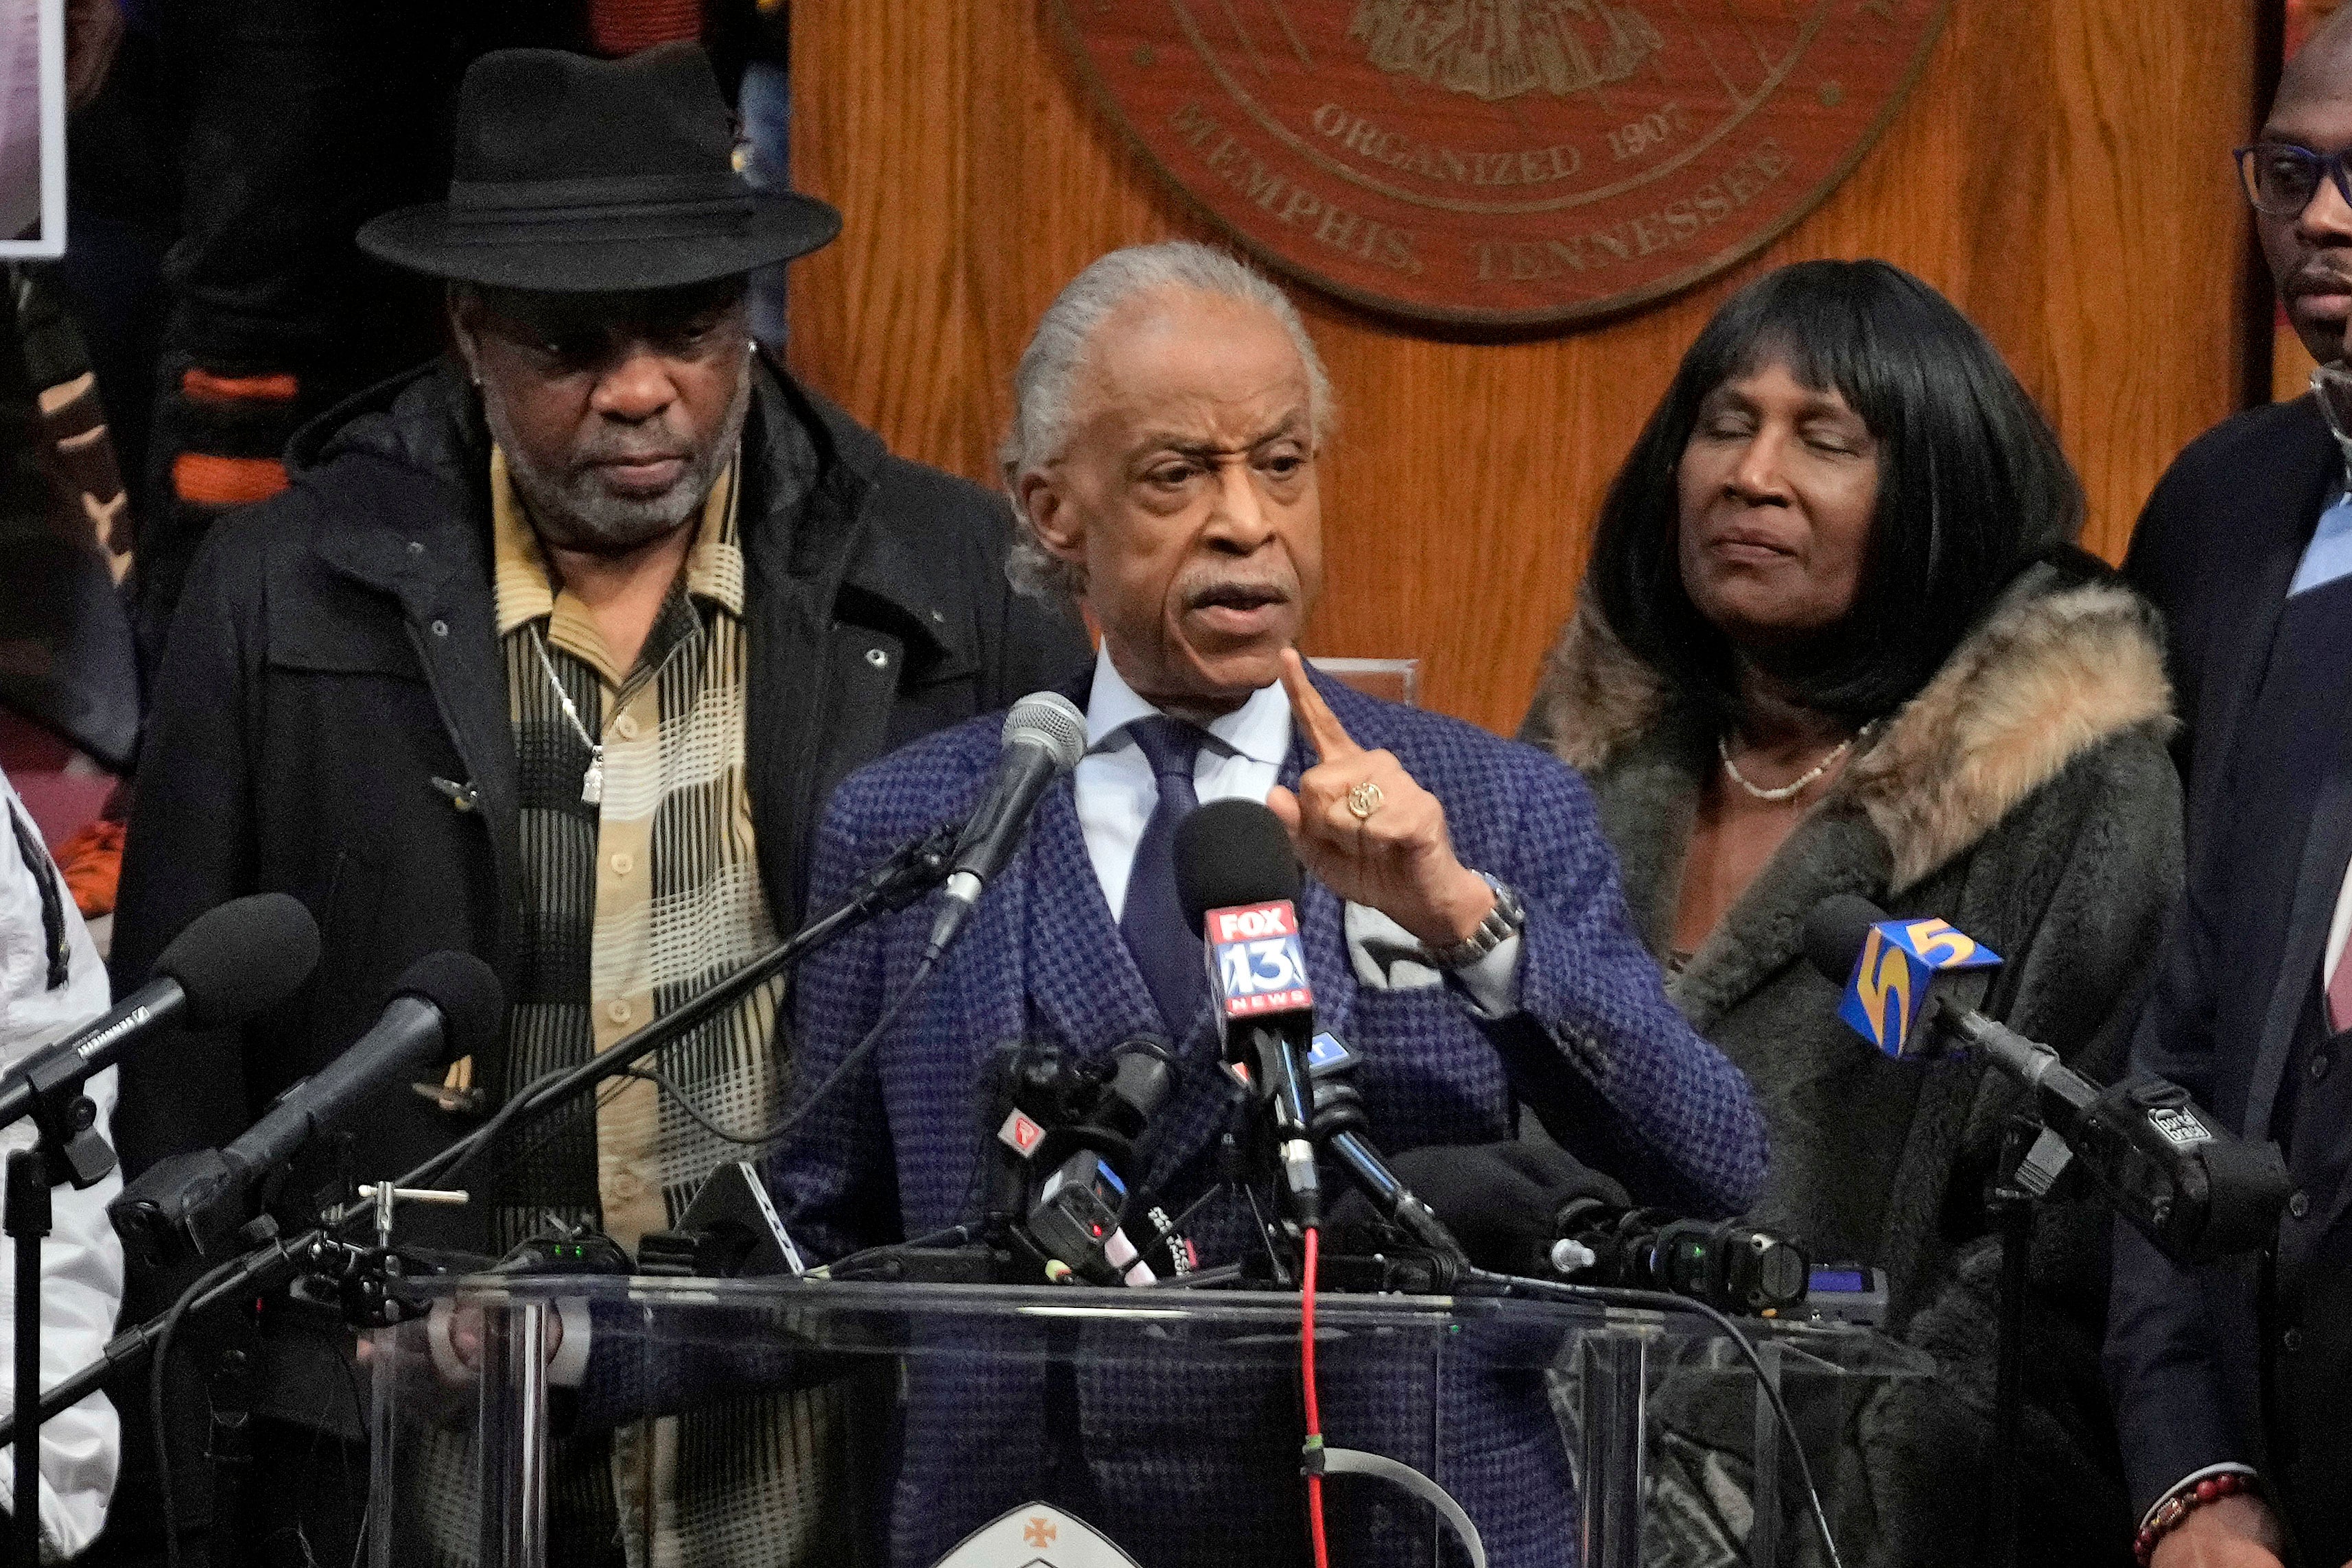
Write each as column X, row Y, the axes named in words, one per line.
column 1364, row 800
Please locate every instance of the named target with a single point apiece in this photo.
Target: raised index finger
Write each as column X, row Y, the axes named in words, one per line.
column 1324, row 731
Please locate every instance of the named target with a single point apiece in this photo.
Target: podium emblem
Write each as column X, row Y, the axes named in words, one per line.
column 1036, row 1536
column 1503, row 162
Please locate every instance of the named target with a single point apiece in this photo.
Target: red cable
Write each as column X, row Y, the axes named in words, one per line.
column 1314, row 1412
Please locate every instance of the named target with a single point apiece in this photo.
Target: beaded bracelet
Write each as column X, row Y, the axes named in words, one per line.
column 2178, row 1507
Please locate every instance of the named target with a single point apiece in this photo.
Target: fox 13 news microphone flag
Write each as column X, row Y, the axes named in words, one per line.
column 1237, row 876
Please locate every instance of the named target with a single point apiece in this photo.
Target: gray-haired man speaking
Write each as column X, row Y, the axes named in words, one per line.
column 1463, row 929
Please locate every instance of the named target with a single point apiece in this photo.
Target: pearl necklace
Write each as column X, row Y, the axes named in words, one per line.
column 1787, row 791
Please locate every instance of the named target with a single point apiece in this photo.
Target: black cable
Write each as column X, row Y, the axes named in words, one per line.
column 861, row 1051
column 482, row 1137
column 784, row 1126
column 701, row 1118
column 1201, row 1278
column 952, row 1236
column 359, row 1410
column 1265, row 1236
column 555, row 1125
column 777, row 1131
column 910, row 871
column 155, row 1373
column 1668, row 1302
column 1176, row 1226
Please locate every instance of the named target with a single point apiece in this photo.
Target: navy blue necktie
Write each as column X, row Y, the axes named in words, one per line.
column 1166, row 948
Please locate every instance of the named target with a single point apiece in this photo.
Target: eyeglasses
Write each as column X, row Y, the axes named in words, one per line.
column 2281, row 178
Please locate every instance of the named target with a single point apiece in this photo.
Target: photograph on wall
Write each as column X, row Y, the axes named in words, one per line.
column 32, row 128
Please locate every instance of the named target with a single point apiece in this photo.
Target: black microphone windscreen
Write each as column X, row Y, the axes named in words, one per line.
column 250, row 954
column 1231, row 852
column 472, row 1003
column 1563, row 1177
column 1836, row 930
column 1499, row 1206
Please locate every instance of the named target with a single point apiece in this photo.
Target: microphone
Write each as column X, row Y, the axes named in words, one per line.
column 1905, row 974
column 1079, row 1124
column 1731, row 1266
column 2198, row 1193
column 1237, row 877
column 1045, row 735
column 232, row 962
column 1338, row 1126
column 1530, row 1208
column 445, row 1003
column 1500, row 1203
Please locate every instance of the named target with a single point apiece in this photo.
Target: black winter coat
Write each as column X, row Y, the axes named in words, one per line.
column 334, row 655
column 2023, row 795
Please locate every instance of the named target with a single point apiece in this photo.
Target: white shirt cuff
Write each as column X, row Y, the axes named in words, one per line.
column 1387, row 957
column 1492, row 984
column 568, row 1367
column 2227, row 1467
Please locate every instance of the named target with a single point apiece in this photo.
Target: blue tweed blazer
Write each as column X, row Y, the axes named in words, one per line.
column 1598, row 1052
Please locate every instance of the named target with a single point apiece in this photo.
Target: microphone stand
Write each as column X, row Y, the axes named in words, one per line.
column 909, row 874
column 905, row 877
column 67, row 1148
column 27, row 1223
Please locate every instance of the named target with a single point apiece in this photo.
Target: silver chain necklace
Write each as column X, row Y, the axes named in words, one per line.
column 592, row 783
column 1787, row 791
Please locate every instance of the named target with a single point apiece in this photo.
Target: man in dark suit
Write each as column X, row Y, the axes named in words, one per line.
column 2224, row 534
column 1464, row 929
column 2229, row 1380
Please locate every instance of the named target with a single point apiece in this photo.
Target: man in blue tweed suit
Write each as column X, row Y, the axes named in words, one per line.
column 1463, row 925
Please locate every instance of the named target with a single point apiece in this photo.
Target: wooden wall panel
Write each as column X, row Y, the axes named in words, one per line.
column 2061, row 172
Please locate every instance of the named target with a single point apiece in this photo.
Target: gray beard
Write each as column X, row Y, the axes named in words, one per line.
column 577, row 512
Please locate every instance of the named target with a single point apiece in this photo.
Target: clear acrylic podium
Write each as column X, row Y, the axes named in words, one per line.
column 938, row 1408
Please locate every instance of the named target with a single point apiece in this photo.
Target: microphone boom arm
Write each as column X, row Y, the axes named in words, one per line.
column 909, row 874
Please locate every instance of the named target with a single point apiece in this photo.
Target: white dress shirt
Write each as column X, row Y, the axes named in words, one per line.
column 1243, row 759
column 81, row 1261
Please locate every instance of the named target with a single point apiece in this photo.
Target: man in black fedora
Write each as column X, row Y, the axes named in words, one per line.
column 552, row 652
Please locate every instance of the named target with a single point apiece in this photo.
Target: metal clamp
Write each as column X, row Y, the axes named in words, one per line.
column 383, row 1195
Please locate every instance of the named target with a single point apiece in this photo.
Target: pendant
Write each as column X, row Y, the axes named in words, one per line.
column 592, row 783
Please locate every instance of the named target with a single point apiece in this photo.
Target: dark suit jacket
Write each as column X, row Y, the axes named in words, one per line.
column 2270, row 834
column 2214, row 551
column 1601, row 1053
column 335, row 653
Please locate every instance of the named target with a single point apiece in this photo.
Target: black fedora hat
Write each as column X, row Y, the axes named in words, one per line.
column 580, row 175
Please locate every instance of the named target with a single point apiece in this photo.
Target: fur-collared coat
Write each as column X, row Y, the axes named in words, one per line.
column 2025, row 795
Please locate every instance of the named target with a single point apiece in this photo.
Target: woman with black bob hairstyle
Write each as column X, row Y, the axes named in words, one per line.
column 1972, row 484
column 1836, row 637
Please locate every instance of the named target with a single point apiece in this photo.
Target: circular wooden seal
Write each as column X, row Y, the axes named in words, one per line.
column 1503, row 162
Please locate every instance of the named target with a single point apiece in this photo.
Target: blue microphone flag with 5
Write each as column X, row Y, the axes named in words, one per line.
column 1900, row 960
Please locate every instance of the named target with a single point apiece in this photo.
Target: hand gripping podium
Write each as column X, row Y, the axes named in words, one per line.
column 905, row 1425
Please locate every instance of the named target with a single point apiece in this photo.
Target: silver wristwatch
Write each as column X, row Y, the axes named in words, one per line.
column 1505, row 921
